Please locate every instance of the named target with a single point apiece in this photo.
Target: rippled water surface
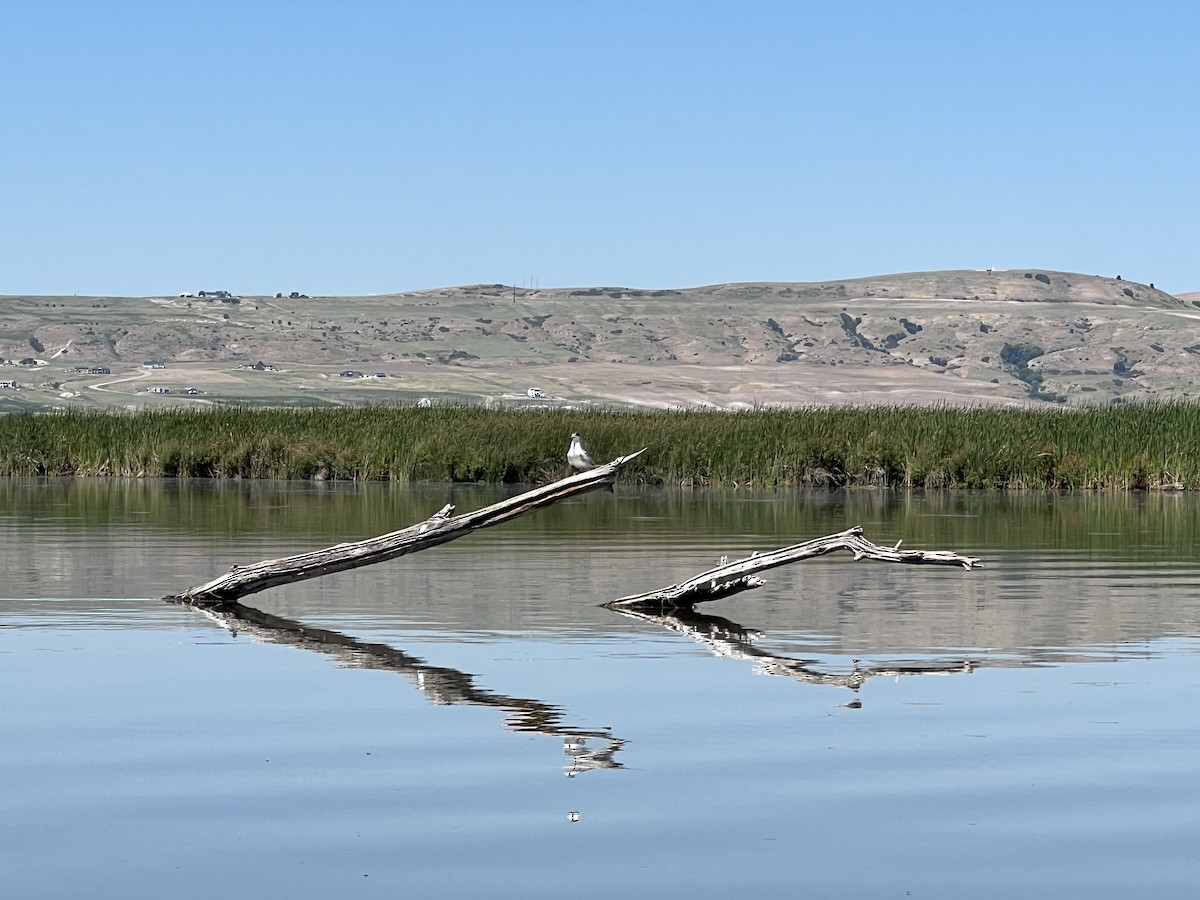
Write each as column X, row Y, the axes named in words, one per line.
column 469, row 722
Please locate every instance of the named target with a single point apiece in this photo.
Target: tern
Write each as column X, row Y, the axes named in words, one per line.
column 577, row 456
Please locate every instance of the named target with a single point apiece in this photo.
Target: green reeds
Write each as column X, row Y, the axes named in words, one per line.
column 1119, row 447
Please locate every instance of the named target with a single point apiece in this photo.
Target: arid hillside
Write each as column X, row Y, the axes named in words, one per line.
column 994, row 337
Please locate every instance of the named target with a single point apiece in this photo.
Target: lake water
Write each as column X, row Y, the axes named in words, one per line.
column 470, row 722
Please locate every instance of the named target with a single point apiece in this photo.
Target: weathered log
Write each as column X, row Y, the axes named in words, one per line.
column 733, row 578
column 440, row 528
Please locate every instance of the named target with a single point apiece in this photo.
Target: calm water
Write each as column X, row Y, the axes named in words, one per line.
column 468, row 722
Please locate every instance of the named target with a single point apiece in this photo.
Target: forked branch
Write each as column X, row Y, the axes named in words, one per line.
column 733, row 578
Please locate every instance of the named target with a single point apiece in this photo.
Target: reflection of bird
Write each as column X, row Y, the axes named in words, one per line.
column 577, row 456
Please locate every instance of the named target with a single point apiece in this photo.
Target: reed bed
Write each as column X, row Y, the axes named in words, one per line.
column 1155, row 446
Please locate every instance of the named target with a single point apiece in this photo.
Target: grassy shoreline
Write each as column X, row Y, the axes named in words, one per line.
column 1155, row 446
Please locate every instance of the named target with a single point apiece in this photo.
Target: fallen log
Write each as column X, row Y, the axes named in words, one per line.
column 732, row 578
column 440, row 528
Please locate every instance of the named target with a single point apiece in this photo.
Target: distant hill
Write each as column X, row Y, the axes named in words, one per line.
column 1011, row 336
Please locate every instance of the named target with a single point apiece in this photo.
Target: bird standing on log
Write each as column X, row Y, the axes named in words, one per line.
column 577, row 456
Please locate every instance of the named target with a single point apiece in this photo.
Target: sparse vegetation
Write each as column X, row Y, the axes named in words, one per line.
column 1019, row 355
column 1131, row 446
column 1016, row 358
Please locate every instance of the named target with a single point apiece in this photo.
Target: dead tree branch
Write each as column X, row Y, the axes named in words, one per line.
column 733, row 578
column 440, row 528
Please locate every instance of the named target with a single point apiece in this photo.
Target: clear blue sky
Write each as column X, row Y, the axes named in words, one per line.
column 360, row 147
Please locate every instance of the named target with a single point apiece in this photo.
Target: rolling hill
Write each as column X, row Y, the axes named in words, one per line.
column 979, row 337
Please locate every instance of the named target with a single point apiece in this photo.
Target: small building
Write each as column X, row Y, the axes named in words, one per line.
column 8, row 386
column 191, row 392
column 28, row 362
column 535, row 393
column 158, row 389
column 380, row 375
column 154, row 364
column 99, row 370
column 350, row 373
column 261, row 366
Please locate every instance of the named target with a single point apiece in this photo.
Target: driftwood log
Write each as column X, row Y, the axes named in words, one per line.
column 443, row 526
column 440, row 528
column 731, row 578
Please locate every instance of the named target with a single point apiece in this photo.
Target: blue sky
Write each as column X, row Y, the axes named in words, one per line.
column 364, row 147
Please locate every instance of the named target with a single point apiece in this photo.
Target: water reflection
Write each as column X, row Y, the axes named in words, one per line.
column 441, row 685
column 251, row 772
column 1143, row 524
column 729, row 640
column 1065, row 574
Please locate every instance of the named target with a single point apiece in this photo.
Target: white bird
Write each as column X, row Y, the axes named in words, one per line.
column 577, row 456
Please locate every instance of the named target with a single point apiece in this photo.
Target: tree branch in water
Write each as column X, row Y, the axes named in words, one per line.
column 732, row 578
column 440, row 528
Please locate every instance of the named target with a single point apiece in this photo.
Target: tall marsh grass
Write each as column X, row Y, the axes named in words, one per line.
column 1123, row 447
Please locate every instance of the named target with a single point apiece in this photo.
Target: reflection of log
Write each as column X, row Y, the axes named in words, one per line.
column 441, row 685
column 730, row 640
column 733, row 578
column 441, row 527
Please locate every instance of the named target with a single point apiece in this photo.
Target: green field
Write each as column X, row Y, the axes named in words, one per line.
column 1150, row 446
